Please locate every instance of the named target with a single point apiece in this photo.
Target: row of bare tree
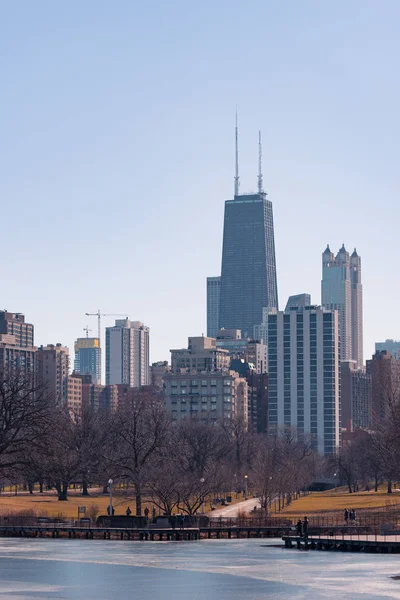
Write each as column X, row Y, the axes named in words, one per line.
column 176, row 464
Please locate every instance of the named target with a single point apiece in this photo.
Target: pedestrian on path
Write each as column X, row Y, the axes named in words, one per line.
column 305, row 527
column 346, row 516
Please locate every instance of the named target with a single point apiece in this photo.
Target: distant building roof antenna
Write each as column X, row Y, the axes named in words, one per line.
column 260, row 177
column 236, row 158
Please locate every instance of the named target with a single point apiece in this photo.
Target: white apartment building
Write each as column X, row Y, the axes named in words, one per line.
column 128, row 353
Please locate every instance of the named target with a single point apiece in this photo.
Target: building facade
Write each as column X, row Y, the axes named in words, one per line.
column 384, row 370
column 392, row 346
column 15, row 359
column 341, row 290
column 201, row 355
column 252, row 351
column 99, row 397
column 248, row 273
column 14, row 324
column 303, row 374
column 218, row 396
column 157, row 372
column 213, row 298
column 128, row 353
column 74, row 395
column 356, row 397
column 257, row 394
column 52, row 370
column 88, row 358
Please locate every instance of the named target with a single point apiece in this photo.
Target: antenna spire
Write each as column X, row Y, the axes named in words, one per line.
column 260, row 177
column 236, row 158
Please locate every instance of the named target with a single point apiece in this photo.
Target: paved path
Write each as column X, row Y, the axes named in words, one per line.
column 232, row 510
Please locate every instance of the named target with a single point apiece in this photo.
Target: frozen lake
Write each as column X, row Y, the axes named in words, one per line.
column 202, row 570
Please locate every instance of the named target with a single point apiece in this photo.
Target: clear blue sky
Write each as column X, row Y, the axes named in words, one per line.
column 117, row 152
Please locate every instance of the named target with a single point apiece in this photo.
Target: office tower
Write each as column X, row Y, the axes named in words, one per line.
column 342, row 291
column 88, row 358
column 52, row 370
column 303, row 377
column 392, row 346
column 127, row 353
column 385, row 381
column 357, row 341
column 298, row 300
column 213, row 296
column 217, row 396
column 201, row 355
column 248, row 273
column 252, row 351
column 355, row 396
column 14, row 324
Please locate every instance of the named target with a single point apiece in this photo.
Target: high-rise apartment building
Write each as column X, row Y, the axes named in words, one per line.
column 392, row 346
column 248, row 273
column 303, row 374
column 16, row 359
column 88, row 358
column 355, row 397
column 213, row 296
column 14, row 324
column 218, row 396
column 201, row 355
column 157, row 372
column 52, row 370
column 341, row 290
column 99, row 397
column 128, row 353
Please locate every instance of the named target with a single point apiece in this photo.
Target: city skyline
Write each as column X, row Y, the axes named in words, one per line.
column 82, row 162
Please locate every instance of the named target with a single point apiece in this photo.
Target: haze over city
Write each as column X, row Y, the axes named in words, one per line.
column 118, row 155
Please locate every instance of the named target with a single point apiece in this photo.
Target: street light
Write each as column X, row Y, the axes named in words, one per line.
column 202, row 480
column 245, row 482
column 110, row 483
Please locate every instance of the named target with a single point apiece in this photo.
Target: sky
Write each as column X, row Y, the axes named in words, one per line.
column 117, row 154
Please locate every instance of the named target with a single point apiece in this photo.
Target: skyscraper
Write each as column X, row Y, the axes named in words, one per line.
column 14, row 324
column 341, row 290
column 52, row 369
column 303, row 374
column 213, row 295
column 88, row 358
column 17, row 352
column 127, row 353
column 392, row 346
column 248, row 274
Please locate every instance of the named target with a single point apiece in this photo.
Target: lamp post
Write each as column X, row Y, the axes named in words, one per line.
column 110, row 483
column 202, row 480
column 245, row 483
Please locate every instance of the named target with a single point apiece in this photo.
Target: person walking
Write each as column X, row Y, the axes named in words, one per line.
column 346, row 516
column 305, row 527
column 299, row 528
column 128, row 512
column 146, row 513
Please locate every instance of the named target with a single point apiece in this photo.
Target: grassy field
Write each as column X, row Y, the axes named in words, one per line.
column 320, row 503
column 47, row 504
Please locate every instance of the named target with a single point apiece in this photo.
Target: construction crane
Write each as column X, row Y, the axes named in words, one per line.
column 99, row 314
column 87, row 330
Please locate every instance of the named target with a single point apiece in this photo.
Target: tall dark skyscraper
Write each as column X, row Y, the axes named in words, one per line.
column 248, row 274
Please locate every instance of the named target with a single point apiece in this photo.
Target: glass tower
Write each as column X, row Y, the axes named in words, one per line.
column 248, row 274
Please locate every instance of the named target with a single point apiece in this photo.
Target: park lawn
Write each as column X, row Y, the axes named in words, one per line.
column 318, row 503
column 47, row 504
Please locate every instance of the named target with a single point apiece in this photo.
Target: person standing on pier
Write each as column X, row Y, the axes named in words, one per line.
column 299, row 528
column 305, row 527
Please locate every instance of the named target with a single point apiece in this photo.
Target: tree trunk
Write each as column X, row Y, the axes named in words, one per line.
column 376, row 483
column 62, row 491
column 30, row 487
column 40, row 486
column 389, row 488
column 138, row 504
column 85, row 489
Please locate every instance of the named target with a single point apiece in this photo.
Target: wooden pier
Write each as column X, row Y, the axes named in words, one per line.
column 359, row 543
column 143, row 534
